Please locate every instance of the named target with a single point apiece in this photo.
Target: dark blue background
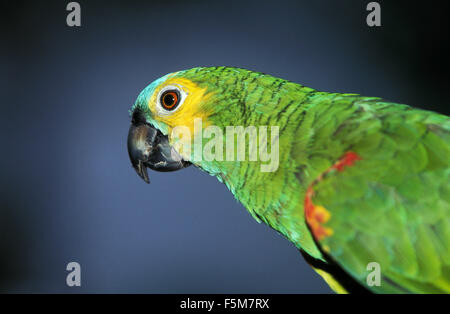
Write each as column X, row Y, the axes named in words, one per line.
column 68, row 192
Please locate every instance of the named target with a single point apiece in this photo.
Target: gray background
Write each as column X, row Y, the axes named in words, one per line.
column 68, row 192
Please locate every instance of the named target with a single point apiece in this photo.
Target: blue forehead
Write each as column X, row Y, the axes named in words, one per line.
column 146, row 93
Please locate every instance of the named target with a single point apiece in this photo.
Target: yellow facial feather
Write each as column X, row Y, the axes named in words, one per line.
column 190, row 109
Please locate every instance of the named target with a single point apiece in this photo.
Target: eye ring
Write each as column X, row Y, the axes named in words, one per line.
column 170, row 99
column 177, row 96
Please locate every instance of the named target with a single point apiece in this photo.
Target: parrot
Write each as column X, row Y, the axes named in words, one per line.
column 360, row 187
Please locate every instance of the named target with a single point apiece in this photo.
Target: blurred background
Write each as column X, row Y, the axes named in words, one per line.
column 67, row 189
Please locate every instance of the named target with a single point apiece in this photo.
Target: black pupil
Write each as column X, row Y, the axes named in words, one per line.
column 169, row 100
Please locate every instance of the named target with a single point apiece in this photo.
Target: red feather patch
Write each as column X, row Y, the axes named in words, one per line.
column 317, row 215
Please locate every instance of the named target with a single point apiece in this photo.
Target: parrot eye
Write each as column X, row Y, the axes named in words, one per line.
column 170, row 99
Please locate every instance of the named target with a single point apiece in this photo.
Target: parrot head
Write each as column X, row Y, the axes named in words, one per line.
column 170, row 101
column 173, row 100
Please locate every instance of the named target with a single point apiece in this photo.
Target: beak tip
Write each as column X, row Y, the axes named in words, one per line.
column 146, row 179
column 141, row 170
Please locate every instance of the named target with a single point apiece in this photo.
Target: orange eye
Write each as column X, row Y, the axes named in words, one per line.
column 170, row 99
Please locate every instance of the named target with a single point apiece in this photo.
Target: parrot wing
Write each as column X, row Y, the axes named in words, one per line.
column 389, row 204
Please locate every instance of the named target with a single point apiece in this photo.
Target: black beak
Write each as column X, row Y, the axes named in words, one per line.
column 148, row 147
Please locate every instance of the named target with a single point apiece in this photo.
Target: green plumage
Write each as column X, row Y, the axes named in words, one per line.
column 390, row 207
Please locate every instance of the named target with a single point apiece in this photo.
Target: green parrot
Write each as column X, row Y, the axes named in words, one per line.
column 358, row 184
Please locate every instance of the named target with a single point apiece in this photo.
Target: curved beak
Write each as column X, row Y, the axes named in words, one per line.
column 149, row 148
